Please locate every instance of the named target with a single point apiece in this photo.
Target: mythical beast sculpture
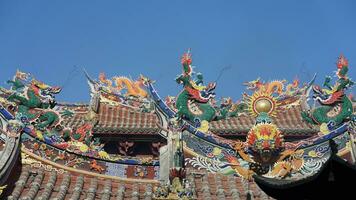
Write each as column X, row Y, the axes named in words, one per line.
column 133, row 88
column 335, row 107
column 33, row 103
column 272, row 87
column 196, row 102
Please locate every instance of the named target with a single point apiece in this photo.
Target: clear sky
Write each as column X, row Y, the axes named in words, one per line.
column 267, row 39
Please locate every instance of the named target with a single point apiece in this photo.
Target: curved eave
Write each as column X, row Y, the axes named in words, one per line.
column 84, row 172
column 331, row 180
column 125, row 160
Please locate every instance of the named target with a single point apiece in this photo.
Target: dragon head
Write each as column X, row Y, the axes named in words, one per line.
column 317, row 90
column 319, row 94
column 253, row 85
column 265, row 142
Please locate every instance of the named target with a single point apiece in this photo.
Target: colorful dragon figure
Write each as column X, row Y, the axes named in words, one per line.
column 273, row 87
column 193, row 102
column 196, row 102
column 121, row 90
column 335, row 107
column 35, row 102
column 133, row 88
column 34, row 105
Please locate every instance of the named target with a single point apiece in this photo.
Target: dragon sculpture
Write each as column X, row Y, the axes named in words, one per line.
column 35, row 102
column 196, row 102
column 34, row 105
column 133, row 88
column 121, row 90
column 273, row 87
column 335, row 107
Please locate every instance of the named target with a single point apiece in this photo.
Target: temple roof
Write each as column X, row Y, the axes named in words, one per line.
column 122, row 119
column 114, row 119
column 62, row 160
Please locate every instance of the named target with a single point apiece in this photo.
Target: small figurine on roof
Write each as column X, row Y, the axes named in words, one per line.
column 14, row 128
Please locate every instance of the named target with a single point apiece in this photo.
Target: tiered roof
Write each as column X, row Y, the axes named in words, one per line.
column 113, row 120
column 115, row 117
column 122, row 119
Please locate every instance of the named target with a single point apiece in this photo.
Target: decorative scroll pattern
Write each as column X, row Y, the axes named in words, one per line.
column 27, row 160
column 211, row 165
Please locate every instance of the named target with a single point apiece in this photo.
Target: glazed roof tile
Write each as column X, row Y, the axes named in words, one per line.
column 125, row 120
column 39, row 183
column 111, row 119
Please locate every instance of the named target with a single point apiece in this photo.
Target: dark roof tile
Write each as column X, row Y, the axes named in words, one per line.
column 288, row 120
column 125, row 120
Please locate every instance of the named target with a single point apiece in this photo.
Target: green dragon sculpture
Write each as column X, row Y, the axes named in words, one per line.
column 335, row 107
column 196, row 102
column 34, row 102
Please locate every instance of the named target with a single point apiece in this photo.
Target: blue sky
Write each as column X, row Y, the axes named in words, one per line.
column 267, row 39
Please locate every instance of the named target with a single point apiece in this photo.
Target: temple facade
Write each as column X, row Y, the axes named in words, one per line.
column 128, row 142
